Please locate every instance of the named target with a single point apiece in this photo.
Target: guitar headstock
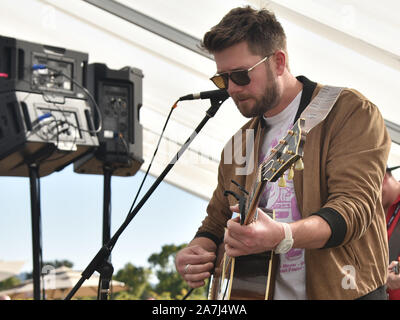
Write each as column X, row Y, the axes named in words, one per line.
column 288, row 151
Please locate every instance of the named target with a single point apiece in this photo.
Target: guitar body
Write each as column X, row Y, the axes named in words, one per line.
column 248, row 277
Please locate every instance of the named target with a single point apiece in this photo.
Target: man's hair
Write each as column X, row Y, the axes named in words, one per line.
column 259, row 28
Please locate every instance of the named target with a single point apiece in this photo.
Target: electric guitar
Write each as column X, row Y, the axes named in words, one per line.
column 252, row 277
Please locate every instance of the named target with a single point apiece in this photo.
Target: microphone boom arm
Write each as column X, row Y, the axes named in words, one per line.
column 102, row 255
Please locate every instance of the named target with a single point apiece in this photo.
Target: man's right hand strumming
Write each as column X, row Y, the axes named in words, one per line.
column 196, row 262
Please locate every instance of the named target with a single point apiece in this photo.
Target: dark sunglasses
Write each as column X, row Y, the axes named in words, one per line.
column 239, row 77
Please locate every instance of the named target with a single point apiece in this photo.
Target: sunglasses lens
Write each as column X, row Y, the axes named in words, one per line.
column 219, row 81
column 241, row 78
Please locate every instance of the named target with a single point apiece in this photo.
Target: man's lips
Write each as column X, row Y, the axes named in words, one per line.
column 242, row 98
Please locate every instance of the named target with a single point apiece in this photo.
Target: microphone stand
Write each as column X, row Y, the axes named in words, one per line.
column 106, row 269
column 100, row 261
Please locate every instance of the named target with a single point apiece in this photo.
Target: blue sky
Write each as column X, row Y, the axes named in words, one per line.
column 72, row 213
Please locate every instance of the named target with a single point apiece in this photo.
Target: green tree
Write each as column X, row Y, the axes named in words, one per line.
column 137, row 280
column 170, row 283
column 59, row 263
column 9, row 283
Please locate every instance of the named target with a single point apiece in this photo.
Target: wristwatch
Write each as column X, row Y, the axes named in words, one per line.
column 286, row 244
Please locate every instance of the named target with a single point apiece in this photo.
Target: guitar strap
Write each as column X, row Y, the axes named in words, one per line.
column 317, row 110
column 320, row 106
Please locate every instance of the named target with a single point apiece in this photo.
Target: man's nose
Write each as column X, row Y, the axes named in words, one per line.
column 233, row 87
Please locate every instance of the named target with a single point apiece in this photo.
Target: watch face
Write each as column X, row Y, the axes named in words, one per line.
column 284, row 246
column 287, row 245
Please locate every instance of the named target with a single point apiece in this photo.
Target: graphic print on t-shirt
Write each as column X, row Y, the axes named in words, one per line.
column 290, row 280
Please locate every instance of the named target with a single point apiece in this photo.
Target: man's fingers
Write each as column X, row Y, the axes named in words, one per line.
column 198, row 268
column 196, row 284
column 199, row 260
column 231, row 239
column 195, row 275
column 197, row 250
column 232, row 251
column 240, row 232
column 195, row 255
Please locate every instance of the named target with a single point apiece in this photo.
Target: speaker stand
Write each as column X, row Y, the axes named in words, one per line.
column 34, row 180
column 106, row 269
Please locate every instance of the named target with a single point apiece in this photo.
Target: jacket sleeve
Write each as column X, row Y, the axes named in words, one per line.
column 218, row 212
column 358, row 145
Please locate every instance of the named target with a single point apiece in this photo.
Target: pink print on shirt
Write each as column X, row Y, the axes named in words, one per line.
column 283, row 201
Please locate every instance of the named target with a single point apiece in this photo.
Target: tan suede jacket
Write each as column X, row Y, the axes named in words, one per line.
column 344, row 163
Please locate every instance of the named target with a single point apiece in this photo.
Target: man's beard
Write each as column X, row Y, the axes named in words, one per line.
column 267, row 102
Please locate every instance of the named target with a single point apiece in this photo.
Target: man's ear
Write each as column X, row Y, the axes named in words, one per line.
column 280, row 62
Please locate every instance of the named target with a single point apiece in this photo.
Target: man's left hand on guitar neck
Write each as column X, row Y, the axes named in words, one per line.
column 265, row 234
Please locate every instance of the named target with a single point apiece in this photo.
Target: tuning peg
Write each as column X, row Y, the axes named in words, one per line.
column 291, row 173
column 299, row 165
column 284, row 142
column 282, row 182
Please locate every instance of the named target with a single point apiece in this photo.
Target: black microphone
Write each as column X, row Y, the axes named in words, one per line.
column 220, row 94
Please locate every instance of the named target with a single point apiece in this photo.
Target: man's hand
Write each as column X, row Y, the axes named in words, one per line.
column 194, row 263
column 262, row 235
column 393, row 281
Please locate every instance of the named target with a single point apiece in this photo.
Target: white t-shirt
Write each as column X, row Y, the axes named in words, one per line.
column 290, row 278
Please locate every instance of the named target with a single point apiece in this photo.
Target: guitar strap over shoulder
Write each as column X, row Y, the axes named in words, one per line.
column 320, row 106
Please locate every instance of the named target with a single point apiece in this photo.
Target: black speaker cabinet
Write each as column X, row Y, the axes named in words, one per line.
column 37, row 68
column 118, row 94
column 50, row 135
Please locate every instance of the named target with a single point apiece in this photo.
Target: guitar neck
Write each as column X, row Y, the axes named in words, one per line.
column 251, row 212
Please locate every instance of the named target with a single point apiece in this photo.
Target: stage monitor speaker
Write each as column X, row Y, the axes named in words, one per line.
column 49, row 135
column 37, row 68
column 119, row 96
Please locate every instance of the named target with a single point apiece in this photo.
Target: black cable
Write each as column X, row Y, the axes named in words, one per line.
column 88, row 94
column 147, row 172
column 188, row 294
column 152, row 159
column 99, row 115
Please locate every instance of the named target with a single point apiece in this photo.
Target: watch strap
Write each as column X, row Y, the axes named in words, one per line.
column 286, row 244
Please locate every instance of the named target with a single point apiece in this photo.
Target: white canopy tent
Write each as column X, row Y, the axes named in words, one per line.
column 345, row 43
column 9, row 269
